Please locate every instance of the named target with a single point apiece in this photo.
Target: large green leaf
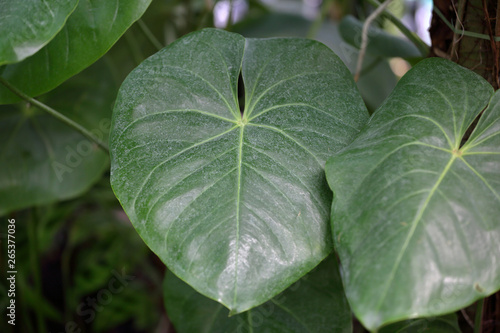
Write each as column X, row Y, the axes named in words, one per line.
column 235, row 205
column 26, row 26
column 316, row 303
column 44, row 160
column 90, row 31
column 415, row 214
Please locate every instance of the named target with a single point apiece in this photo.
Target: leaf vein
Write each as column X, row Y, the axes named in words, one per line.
column 192, row 201
column 283, row 81
column 240, row 160
column 305, row 105
column 414, row 225
column 141, row 188
column 183, row 179
column 318, row 201
column 291, row 139
column 205, row 113
column 230, row 109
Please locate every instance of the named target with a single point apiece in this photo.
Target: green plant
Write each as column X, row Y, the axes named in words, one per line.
column 244, row 196
column 232, row 190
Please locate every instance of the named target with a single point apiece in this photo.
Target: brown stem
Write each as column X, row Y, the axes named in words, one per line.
column 494, row 45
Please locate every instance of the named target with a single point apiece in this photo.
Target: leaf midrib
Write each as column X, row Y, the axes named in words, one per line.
column 240, row 160
column 239, row 167
column 415, row 223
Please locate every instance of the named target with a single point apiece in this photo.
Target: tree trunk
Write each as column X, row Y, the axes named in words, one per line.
column 478, row 54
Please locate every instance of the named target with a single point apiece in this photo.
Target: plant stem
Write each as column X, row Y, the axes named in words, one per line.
column 229, row 24
column 420, row 44
column 149, row 35
column 135, row 50
column 57, row 115
column 462, row 32
column 364, row 38
column 208, row 9
column 479, row 316
column 313, row 30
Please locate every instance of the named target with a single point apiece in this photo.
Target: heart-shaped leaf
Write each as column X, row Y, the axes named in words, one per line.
column 44, row 160
column 26, row 26
column 235, row 204
column 316, row 303
column 89, row 32
column 415, row 213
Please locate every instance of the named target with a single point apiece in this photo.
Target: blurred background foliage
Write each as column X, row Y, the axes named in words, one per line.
column 76, row 247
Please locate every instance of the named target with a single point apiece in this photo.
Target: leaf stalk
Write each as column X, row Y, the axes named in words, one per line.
column 419, row 43
column 82, row 130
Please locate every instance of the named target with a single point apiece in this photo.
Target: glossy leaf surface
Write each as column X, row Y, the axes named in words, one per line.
column 26, row 26
column 89, row 32
column 44, row 160
column 235, row 205
column 316, row 303
column 415, row 214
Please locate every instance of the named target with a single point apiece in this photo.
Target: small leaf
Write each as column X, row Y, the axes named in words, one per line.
column 235, row 204
column 89, row 33
column 380, row 43
column 316, row 303
column 415, row 214
column 44, row 160
column 27, row 25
